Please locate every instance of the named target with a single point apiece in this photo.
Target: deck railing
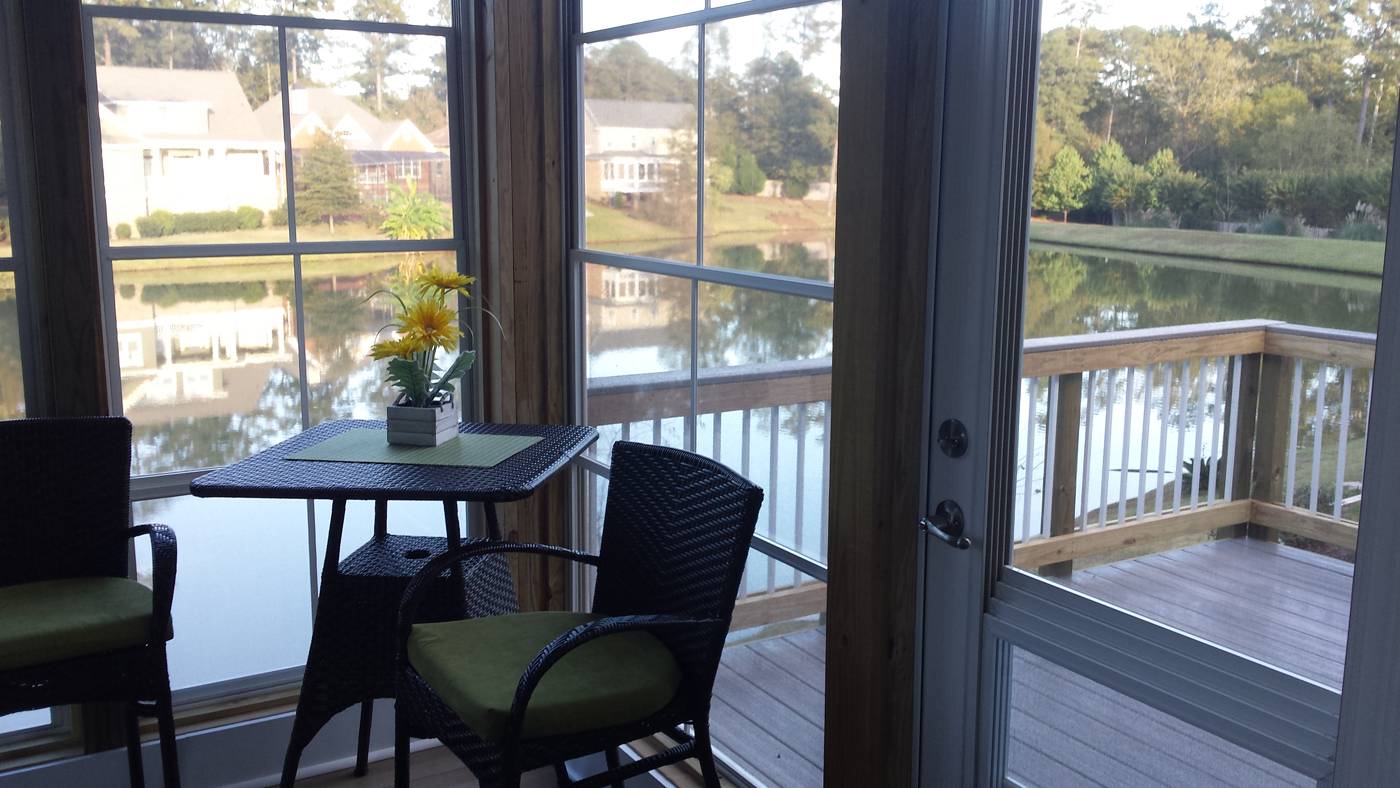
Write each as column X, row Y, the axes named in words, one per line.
column 1127, row 440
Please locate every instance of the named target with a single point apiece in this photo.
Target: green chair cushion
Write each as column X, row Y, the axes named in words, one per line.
column 61, row 619
column 476, row 665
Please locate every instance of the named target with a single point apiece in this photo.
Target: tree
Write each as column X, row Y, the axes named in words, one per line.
column 381, row 49
column 748, row 178
column 325, row 181
column 625, row 70
column 1065, row 184
column 1303, row 43
column 414, row 216
column 1198, row 81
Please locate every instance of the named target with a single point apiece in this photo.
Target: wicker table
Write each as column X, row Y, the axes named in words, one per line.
column 351, row 659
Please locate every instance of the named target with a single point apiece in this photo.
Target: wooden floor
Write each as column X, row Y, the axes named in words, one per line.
column 1272, row 602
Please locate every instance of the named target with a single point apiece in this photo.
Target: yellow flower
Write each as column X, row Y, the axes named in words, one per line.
column 431, row 323
column 445, row 281
column 403, row 347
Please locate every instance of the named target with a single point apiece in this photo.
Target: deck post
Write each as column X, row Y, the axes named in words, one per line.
column 1271, row 438
column 1065, row 443
column 1246, row 427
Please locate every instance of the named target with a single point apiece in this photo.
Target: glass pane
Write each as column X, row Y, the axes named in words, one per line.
column 1068, row 731
column 188, row 153
column 348, row 300
column 765, row 399
column 638, row 376
column 369, row 136
column 243, row 595
column 11, row 373
column 412, row 12
column 603, row 14
column 208, row 356
column 771, row 92
column 25, row 720
column 408, row 518
column 639, row 133
column 1159, row 215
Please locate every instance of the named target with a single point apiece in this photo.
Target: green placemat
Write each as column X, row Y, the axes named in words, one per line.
column 463, row 451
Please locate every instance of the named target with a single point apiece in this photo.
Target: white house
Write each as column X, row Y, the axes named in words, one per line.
column 629, row 146
column 182, row 140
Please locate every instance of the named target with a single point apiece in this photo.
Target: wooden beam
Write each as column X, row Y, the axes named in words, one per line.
column 1066, row 466
column 54, row 209
column 1304, row 523
column 1270, row 458
column 879, row 365
column 1098, row 541
column 715, row 398
column 1320, row 346
column 779, row 606
column 520, row 127
column 1139, row 352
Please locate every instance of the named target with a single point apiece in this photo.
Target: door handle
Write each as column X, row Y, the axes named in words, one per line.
column 947, row 524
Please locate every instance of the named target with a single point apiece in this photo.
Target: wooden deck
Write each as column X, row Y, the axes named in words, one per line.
column 1271, row 602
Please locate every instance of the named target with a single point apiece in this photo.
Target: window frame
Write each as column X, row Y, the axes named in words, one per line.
column 458, row 40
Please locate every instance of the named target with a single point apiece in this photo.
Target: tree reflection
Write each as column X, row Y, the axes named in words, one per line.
column 11, row 375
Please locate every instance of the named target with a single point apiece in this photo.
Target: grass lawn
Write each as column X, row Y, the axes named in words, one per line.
column 1322, row 254
column 731, row 213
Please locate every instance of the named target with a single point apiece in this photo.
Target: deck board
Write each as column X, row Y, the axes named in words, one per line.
column 1272, row 602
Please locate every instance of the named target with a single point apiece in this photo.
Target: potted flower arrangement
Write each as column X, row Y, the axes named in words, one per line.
column 425, row 412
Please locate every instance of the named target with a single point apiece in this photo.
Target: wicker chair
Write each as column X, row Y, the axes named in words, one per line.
column 73, row 628
column 494, row 690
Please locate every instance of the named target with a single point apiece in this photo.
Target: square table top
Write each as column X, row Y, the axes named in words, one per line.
column 268, row 474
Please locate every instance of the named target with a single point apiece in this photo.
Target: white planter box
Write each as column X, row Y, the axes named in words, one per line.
column 431, row 426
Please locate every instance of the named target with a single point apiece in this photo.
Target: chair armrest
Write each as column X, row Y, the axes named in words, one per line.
column 408, row 608
column 579, row 635
column 163, row 563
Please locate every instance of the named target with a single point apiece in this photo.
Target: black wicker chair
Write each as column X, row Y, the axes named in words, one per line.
column 73, row 628
column 676, row 536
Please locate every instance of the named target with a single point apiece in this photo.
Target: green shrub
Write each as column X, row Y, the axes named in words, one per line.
column 796, row 188
column 249, row 218
column 127, row 291
column 748, row 178
column 1273, row 224
column 157, row 225
column 278, row 216
column 123, row 230
column 206, row 221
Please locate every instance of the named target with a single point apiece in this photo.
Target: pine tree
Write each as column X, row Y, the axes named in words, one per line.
column 325, row 180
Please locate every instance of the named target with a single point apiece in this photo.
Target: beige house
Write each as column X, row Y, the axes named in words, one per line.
column 182, row 140
column 629, row 146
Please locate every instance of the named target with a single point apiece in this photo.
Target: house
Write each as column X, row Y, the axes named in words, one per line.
column 182, row 140
column 630, row 146
column 383, row 151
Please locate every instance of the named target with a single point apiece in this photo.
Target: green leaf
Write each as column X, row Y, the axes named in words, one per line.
column 408, row 377
column 459, row 368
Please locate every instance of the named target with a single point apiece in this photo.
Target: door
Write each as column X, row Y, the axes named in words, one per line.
column 1157, row 466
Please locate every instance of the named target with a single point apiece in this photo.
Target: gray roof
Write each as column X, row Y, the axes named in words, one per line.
column 230, row 118
column 330, row 107
column 614, row 113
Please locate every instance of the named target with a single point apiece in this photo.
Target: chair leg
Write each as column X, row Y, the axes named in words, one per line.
column 613, row 762
column 561, row 773
column 705, row 755
column 401, row 753
column 133, row 748
column 165, row 720
column 362, row 750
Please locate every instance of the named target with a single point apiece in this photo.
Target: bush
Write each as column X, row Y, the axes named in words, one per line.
column 206, row 222
column 123, row 230
column 748, row 178
column 158, row 224
column 278, row 216
column 796, row 188
column 249, row 218
column 1273, row 224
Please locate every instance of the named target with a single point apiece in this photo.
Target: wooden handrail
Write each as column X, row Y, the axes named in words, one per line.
column 613, row 400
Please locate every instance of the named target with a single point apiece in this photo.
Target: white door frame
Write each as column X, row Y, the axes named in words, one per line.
column 972, row 609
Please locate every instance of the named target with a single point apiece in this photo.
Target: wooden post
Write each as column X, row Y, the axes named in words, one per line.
column 1246, row 426
column 1066, row 467
column 1271, row 438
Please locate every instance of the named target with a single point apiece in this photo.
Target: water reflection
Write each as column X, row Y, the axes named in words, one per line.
column 1070, row 293
column 210, row 359
column 11, row 377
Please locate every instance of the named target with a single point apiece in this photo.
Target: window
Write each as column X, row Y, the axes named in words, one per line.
column 683, row 338
column 244, row 299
